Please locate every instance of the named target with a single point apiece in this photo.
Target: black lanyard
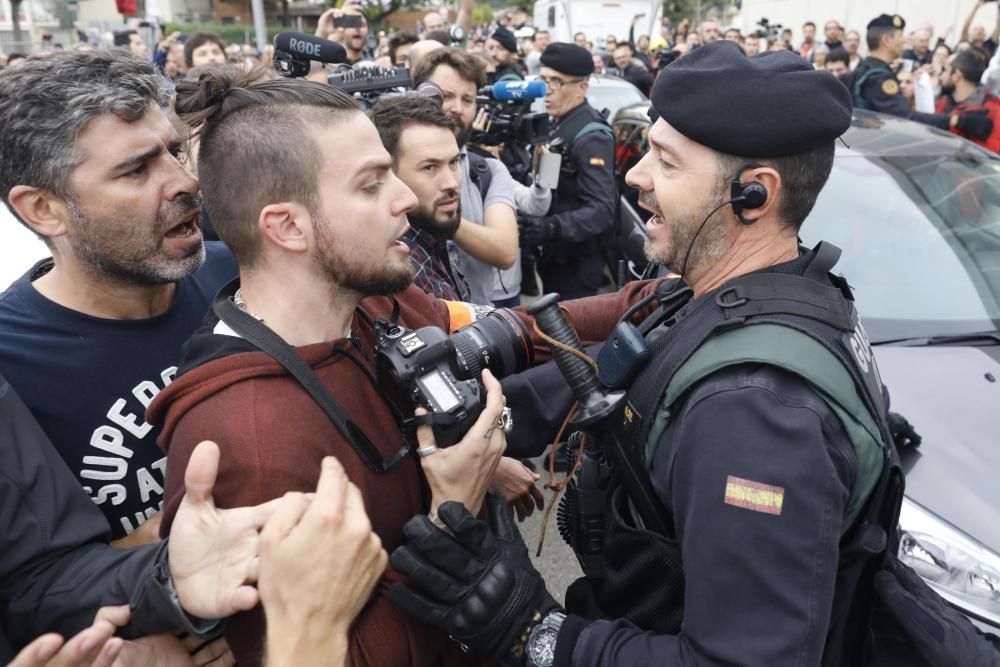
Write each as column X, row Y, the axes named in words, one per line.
column 259, row 335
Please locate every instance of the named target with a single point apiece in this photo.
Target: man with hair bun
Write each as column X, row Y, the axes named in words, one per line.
column 314, row 215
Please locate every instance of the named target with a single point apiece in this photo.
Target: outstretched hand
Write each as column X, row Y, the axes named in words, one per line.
column 213, row 552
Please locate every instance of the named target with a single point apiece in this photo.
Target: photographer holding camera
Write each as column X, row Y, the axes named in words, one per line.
column 571, row 260
column 348, row 27
column 313, row 218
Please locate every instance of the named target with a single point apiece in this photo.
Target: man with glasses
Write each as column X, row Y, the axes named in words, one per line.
column 568, row 238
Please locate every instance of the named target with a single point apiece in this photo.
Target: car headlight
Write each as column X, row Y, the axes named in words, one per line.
column 959, row 568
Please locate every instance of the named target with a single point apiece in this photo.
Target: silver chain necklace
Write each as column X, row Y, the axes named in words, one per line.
column 242, row 305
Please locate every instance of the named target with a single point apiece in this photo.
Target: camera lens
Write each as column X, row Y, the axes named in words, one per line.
column 499, row 341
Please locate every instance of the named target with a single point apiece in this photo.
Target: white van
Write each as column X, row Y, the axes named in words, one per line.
column 597, row 18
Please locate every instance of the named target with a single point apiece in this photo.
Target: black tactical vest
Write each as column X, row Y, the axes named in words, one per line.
column 641, row 578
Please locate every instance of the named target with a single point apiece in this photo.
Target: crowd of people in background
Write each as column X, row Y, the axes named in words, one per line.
column 925, row 70
column 474, row 227
column 928, row 50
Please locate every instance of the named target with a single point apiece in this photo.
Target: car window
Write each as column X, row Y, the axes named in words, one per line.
column 921, row 241
column 613, row 97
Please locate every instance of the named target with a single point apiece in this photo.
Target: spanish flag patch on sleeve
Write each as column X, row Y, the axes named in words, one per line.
column 596, row 162
column 754, row 496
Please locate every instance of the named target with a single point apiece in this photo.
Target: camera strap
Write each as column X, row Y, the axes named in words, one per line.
column 260, row 336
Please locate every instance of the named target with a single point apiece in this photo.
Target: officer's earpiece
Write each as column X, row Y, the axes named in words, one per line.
column 746, row 195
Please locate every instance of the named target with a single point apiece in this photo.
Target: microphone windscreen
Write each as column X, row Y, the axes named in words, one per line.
column 309, row 47
column 518, row 90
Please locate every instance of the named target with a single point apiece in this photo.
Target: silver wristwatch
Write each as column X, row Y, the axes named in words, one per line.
column 541, row 648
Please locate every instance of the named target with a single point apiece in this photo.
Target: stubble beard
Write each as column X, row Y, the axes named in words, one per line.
column 711, row 244
column 123, row 252
column 349, row 272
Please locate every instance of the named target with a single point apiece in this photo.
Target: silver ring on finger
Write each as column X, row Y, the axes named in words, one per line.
column 506, row 421
column 424, row 452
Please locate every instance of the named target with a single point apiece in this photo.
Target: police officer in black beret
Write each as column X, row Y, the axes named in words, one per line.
column 874, row 86
column 502, row 46
column 757, row 424
column 571, row 261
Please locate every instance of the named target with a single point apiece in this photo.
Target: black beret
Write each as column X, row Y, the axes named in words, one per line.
column 568, row 59
column 505, row 38
column 887, row 21
column 772, row 105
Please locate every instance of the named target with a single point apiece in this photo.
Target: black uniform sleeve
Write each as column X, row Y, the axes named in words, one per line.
column 874, row 93
column 56, row 568
column 593, row 155
column 758, row 471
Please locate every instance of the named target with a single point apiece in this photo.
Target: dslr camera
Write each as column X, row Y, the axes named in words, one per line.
column 428, row 368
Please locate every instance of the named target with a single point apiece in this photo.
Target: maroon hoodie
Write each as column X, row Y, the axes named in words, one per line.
column 273, row 437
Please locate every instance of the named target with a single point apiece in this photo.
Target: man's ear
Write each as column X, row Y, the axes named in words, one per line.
column 771, row 180
column 287, row 225
column 42, row 211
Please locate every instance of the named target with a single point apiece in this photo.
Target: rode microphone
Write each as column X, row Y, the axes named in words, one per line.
column 307, row 47
column 518, row 90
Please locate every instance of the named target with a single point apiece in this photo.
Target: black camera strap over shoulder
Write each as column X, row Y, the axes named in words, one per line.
column 260, row 336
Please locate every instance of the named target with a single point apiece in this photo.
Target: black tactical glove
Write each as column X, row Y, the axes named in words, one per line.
column 534, row 230
column 975, row 123
column 477, row 586
column 939, row 632
column 903, row 433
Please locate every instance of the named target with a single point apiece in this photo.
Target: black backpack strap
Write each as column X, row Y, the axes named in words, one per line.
column 480, row 173
column 260, row 336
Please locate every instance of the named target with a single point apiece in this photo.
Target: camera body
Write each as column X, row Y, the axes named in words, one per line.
column 419, row 363
column 509, row 121
column 428, row 368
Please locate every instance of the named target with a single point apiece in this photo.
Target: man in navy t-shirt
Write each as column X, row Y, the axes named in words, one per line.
column 91, row 163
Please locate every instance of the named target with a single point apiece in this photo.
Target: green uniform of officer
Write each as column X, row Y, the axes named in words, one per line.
column 569, row 239
column 753, row 476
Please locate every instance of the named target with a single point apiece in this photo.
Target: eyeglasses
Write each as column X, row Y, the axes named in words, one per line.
column 555, row 84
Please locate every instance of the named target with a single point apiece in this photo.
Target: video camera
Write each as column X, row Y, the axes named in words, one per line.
column 295, row 51
column 768, row 31
column 368, row 84
column 508, row 114
column 428, row 368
